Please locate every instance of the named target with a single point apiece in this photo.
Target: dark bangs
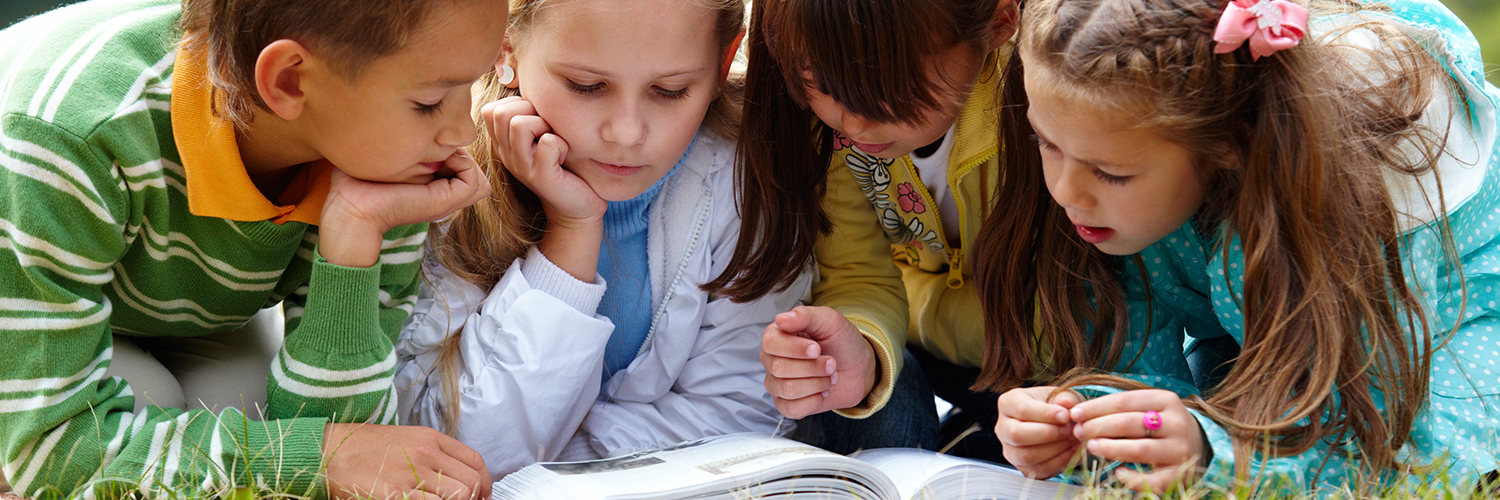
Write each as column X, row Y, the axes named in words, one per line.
column 868, row 55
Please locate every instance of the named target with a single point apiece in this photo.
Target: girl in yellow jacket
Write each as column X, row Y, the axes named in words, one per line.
column 870, row 145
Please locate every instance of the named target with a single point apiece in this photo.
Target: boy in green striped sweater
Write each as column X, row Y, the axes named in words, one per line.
column 166, row 171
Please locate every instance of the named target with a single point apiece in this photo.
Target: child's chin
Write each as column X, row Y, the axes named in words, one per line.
column 1117, row 249
column 621, row 193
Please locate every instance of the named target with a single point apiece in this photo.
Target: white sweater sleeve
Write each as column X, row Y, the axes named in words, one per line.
column 528, row 367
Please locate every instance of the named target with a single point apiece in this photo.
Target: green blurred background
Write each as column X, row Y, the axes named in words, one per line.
column 1482, row 16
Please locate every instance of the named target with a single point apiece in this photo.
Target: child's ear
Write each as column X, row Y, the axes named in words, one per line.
column 1007, row 19
column 279, row 77
column 508, row 58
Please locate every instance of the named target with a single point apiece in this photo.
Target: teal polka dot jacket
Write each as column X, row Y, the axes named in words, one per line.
column 1195, row 289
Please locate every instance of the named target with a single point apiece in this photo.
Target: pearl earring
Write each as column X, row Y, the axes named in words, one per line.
column 507, row 74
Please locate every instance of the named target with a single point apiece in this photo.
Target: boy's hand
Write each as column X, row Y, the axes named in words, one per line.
column 1114, row 427
column 524, row 142
column 1036, row 434
column 816, row 360
column 389, row 461
column 358, row 213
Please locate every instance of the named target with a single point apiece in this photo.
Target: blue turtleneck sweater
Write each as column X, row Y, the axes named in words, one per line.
column 623, row 264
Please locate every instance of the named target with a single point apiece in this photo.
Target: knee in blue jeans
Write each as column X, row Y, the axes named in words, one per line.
column 908, row 420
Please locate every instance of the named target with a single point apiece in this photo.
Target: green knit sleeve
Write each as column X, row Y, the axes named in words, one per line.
column 339, row 357
column 64, row 425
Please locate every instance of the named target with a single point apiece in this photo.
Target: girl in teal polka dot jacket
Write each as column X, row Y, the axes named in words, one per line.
column 1317, row 179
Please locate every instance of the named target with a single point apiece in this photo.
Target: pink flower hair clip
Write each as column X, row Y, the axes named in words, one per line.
column 1269, row 26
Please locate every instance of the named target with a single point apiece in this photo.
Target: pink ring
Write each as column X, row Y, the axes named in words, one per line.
column 1152, row 422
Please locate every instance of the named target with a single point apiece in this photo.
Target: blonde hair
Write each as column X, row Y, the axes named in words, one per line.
column 478, row 243
column 1296, row 145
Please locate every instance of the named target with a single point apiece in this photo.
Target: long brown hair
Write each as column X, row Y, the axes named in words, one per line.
column 1296, row 146
column 868, row 55
column 478, row 243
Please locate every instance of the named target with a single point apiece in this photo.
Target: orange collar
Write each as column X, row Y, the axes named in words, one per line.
column 217, row 183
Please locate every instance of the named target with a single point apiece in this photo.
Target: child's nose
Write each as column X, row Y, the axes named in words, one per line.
column 855, row 125
column 459, row 131
column 1071, row 188
column 624, row 126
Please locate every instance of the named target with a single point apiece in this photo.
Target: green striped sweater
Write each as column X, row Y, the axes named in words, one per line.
column 96, row 236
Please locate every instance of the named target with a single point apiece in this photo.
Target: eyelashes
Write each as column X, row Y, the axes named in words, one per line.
column 681, row 93
column 579, row 88
column 1103, row 176
column 1109, row 179
column 429, row 109
column 597, row 88
column 1042, row 143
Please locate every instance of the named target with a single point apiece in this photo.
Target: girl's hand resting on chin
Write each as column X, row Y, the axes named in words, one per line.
column 524, row 142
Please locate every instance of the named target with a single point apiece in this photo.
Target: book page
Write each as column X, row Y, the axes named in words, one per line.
column 923, row 475
column 703, row 468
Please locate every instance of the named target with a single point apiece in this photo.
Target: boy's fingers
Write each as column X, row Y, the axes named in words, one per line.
column 448, row 486
column 466, row 457
column 1129, row 401
column 485, row 484
column 468, row 184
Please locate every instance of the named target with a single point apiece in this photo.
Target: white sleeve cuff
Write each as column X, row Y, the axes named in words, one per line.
column 545, row 276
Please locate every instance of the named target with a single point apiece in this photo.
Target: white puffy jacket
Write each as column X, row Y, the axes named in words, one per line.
column 530, row 356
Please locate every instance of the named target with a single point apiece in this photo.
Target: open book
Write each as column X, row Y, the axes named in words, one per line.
column 759, row 466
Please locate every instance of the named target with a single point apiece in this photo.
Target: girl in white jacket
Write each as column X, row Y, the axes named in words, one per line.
column 563, row 318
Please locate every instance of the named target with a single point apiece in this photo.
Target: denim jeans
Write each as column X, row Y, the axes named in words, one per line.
column 970, row 409
column 908, row 420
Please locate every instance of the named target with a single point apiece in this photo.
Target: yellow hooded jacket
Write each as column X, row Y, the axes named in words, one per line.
column 888, row 245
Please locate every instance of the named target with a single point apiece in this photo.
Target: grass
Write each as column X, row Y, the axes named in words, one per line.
column 1423, row 491
column 1482, row 17
column 1094, row 489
